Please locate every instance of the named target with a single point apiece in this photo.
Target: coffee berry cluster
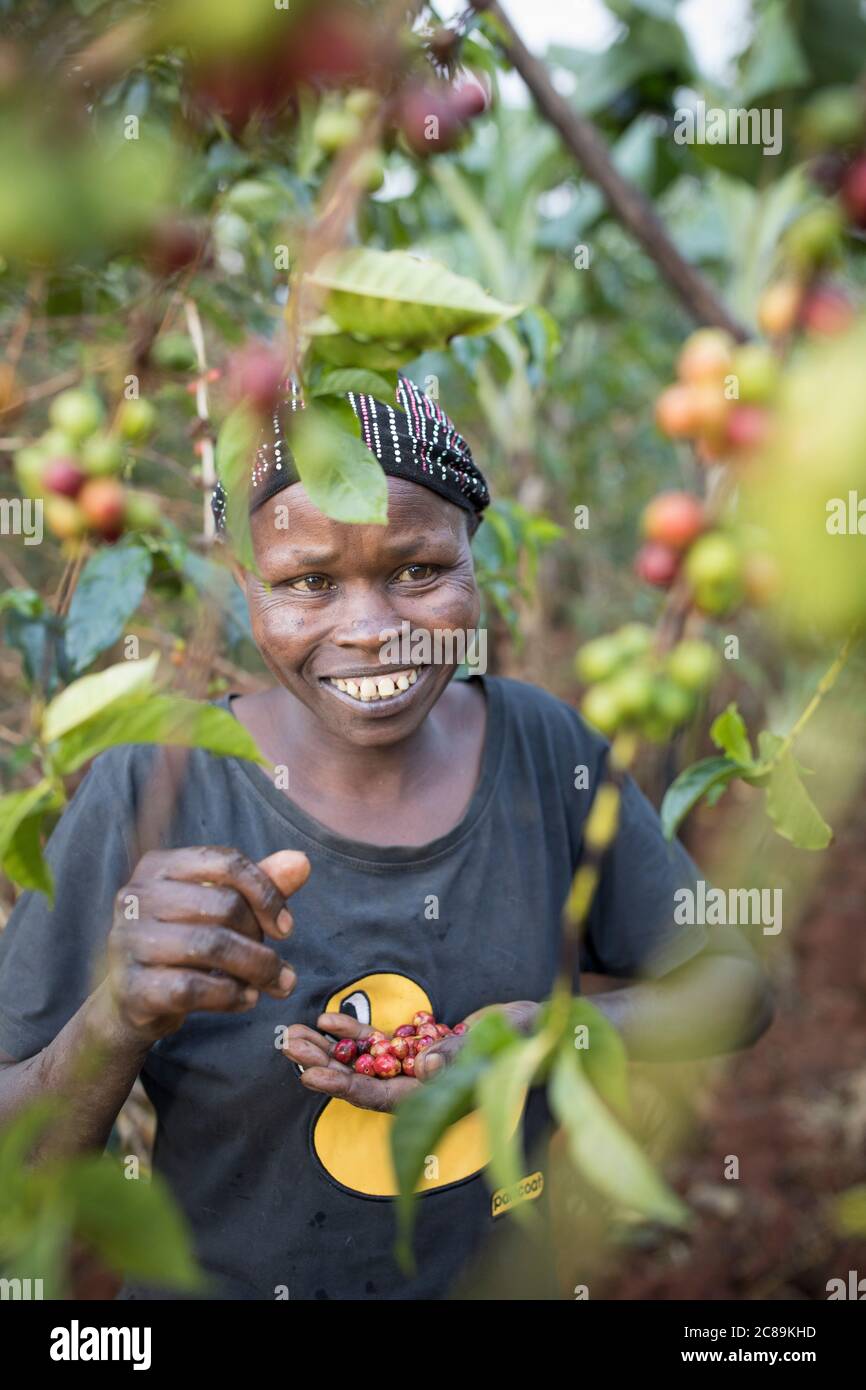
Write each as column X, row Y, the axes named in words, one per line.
column 377, row 1054
column 75, row 466
column 805, row 298
column 631, row 686
column 719, row 569
column 723, row 397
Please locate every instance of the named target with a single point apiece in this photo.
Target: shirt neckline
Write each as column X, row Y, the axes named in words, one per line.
column 362, row 850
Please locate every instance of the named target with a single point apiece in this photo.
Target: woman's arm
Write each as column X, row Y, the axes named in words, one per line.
column 198, row 943
column 716, row 1003
column 90, row 1066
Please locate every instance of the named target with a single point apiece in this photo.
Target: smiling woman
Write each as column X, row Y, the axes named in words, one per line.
column 427, row 830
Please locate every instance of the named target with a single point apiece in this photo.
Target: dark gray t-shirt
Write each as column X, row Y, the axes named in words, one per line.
column 287, row 1192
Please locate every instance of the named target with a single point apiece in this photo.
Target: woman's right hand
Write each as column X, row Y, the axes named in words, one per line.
column 189, row 934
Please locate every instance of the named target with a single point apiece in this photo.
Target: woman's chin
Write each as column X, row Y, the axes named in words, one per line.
column 356, row 710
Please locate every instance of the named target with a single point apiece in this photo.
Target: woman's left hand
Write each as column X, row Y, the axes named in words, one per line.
column 313, row 1051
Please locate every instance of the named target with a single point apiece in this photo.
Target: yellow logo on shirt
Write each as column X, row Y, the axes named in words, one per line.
column 527, row 1190
column 354, row 1146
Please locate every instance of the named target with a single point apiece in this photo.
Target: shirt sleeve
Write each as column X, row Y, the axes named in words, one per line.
column 632, row 931
column 51, row 958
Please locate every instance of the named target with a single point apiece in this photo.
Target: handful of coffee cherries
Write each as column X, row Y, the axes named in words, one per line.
column 376, row 1054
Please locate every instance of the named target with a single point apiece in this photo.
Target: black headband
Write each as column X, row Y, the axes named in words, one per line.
column 417, row 442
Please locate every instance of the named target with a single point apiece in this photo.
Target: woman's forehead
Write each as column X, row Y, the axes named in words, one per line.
column 290, row 521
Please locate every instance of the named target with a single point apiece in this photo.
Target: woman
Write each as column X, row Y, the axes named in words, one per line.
column 426, row 831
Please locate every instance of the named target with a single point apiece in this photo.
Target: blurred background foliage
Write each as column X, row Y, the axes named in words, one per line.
column 106, row 241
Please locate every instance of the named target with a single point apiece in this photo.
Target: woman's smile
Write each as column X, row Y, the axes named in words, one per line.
column 378, row 694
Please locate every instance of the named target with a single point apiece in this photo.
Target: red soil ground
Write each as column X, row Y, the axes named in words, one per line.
column 793, row 1109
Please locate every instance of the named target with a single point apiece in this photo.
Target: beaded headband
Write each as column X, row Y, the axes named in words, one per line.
column 417, row 442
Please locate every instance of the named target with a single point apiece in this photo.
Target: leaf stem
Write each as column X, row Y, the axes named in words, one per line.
column 825, row 685
column 600, row 830
column 208, row 467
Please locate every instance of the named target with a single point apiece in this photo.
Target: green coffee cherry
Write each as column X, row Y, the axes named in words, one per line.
column 173, row 352
column 102, row 455
column 601, row 709
column 598, row 659
column 77, row 413
column 136, row 421
column 693, row 666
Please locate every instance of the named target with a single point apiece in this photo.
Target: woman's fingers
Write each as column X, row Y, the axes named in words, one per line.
column 520, row 1013
column 229, row 868
column 307, row 1047
column 433, row 1059
column 211, row 946
column 343, row 1026
column 167, row 991
column 367, row 1092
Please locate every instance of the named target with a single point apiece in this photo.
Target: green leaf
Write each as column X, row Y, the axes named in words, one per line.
column 848, row 1211
column 164, row 719
column 87, row 696
column 604, row 1060
column 792, row 810
column 422, row 1118
column 502, row 1091
column 40, row 640
column 134, row 1224
column 18, row 1137
column 768, row 746
column 25, row 602
column 24, row 862
column 337, row 383
column 393, row 295
column 40, row 1242
column 602, row 1151
column 340, row 474
column 111, row 586
column 331, row 345
column 217, row 582
column 21, row 815
column 728, row 732
column 235, row 451
column 687, row 789
column 775, row 60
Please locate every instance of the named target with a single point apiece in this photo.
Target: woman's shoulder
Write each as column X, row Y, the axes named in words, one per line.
column 543, row 715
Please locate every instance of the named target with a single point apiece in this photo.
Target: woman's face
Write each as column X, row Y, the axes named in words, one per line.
column 329, row 594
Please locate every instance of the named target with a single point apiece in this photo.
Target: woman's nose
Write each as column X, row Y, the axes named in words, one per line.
column 366, row 620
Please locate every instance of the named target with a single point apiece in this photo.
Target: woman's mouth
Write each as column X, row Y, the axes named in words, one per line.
column 375, row 692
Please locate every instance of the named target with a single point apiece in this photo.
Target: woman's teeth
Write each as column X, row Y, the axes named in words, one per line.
column 377, row 687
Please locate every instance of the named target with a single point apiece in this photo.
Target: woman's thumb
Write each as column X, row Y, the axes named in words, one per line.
column 288, row 868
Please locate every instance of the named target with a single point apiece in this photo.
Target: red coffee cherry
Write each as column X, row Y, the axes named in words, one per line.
column 386, row 1066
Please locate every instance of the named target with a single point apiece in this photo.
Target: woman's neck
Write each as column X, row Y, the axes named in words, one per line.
column 321, row 763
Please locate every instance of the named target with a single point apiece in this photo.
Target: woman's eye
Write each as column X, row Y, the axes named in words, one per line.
column 414, row 573
column 311, row 584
